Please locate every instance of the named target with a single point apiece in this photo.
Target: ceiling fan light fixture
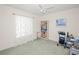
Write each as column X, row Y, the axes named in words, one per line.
column 44, row 11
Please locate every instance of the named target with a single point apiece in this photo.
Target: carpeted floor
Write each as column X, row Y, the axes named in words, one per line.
column 36, row 47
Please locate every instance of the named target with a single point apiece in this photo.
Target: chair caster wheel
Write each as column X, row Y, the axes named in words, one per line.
column 57, row 44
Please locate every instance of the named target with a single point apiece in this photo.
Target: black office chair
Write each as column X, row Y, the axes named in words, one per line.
column 62, row 37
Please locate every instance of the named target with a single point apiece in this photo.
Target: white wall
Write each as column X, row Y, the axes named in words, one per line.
column 8, row 28
column 72, row 19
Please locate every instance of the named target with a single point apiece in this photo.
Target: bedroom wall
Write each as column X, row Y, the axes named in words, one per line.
column 72, row 23
column 8, row 28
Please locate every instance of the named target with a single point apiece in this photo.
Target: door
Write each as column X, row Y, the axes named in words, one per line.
column 44, row 29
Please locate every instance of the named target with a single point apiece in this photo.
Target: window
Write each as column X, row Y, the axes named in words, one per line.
column 23, row 26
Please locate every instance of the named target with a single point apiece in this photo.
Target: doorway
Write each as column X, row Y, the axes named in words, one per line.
column 44, row 29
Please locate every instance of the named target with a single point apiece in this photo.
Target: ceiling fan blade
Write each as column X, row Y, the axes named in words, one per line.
column 40, row 6
column 49, row 8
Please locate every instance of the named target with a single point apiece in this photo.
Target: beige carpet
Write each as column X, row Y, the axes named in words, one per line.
column 36, row 47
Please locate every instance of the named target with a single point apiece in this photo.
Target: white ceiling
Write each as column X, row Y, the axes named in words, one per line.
column 35, row 9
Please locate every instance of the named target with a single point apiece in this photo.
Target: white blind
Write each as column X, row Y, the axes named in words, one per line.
column 24, row 26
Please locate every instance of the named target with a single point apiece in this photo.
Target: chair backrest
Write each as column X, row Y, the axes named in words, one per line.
column 61, row 33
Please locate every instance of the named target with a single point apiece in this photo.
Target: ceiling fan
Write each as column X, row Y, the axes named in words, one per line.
column 44, row 10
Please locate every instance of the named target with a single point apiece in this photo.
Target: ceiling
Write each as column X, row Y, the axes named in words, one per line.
column 35, row 9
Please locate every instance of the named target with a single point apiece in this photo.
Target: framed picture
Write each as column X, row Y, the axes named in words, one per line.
column 61, row 22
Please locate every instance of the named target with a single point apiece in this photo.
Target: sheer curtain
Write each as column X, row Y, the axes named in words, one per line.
column 24, row 26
